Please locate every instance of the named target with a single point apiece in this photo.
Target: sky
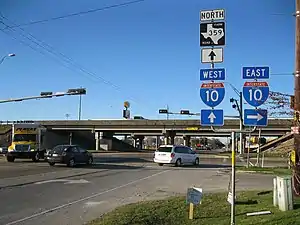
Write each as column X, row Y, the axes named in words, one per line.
column 147, row 53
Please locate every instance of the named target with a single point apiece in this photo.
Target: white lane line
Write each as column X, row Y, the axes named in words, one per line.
column 83, row 199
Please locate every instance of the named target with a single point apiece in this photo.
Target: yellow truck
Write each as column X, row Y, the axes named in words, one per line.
column 26, row 142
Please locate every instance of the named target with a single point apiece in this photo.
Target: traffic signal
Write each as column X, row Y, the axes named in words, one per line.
column 185, row 112
column 47, row 94
column 77, row 91
column 292, row 102
column 163, row 111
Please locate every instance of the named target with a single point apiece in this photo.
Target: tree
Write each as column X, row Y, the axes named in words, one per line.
column 279, row 104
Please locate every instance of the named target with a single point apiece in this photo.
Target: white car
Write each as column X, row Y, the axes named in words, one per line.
column 175, row 154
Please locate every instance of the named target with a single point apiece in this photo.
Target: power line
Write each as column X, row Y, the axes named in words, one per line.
column 62, row 58
column 282, row 74
column 78, row 13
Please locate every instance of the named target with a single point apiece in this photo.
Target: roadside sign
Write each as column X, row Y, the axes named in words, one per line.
column 212, row 34
column 212, row 55
column 255, row 117
column 212, row 94
column 209, row 15
column 212, row 74
column 256, row 93
column 262, row 72
column 194, row 195
column 212, row 117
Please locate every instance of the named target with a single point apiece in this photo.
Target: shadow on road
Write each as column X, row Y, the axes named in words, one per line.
column 121, row 160
column 101, row 166
column 210, row 166
column 201, row 166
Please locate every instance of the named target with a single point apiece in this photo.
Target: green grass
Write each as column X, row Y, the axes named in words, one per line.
column 213, row 210
column 275, row 170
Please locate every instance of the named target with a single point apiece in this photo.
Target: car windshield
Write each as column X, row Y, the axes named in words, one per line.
column 164, row 149
column 60, row 148
column 24, row 137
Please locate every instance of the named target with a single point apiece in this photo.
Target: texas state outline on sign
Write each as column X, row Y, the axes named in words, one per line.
column 212, row 34
column 211, row 31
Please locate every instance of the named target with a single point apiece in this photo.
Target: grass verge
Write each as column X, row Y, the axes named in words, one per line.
column 266, row 170
column 213, row 210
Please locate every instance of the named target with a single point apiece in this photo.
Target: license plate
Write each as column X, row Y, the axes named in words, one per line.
column 55, row 155
column 162, row 154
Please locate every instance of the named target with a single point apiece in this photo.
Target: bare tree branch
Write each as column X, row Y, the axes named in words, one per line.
column 278, row 104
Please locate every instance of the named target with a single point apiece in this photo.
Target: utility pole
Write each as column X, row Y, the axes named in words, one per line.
column 297, row 102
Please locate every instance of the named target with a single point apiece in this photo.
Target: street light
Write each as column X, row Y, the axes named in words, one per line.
column 6, row 56
column 78, row 91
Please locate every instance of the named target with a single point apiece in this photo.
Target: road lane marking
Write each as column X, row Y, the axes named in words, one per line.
column 80, row 181
column 83, row 199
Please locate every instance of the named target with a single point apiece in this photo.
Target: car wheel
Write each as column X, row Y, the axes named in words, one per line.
column 10, row 158
column 51, row 163
column 178, row 162
column 196, row 163
column 36, row 157
column 90, row 161
column 71, row 163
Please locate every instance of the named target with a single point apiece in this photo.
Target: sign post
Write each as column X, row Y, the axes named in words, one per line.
column 193, row 197
column 212, row 36
column 256, row 93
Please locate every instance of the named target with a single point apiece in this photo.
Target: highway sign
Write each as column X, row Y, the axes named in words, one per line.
column 212, row 117
column 255, row 117
column 212, row 94
column 212, row 55
column 212, row 34
column 262, row 72
column 256, row 93
column 210, row 15
column 212, row 74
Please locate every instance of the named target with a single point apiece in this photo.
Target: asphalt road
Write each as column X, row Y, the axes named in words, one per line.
column 27, row 167
column 65, row 196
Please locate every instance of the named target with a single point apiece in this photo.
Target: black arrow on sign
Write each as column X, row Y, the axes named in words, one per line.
column 212, row 55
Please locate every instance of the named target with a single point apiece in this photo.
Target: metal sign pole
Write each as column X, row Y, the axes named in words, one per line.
column 233, row 178
column 233, row 148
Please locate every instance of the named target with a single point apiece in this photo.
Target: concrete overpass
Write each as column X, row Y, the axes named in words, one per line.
column 276, row 127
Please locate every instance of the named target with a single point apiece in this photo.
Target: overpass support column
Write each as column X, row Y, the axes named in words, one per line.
column 141, row 142
column 166, row 138
column 134, row 141
column 187, row 140
column 157, row 141
column 172, row 135
column 70, row 137
column 98, row 137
